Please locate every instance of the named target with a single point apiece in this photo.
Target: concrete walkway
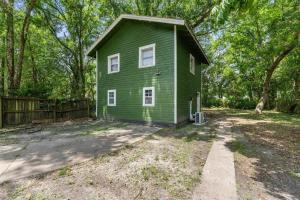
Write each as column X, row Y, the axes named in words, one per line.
column 25, row 159
column 218, row 177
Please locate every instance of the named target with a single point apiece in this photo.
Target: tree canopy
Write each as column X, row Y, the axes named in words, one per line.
column 253, row 46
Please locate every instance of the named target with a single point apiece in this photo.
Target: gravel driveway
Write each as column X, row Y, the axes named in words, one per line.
column 42, row 149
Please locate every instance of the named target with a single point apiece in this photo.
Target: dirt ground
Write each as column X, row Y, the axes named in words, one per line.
column 39, row 150
column 267, row 153
column 167, row 165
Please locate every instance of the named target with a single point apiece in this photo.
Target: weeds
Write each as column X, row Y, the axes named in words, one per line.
column 66, row 171
column 295, row 174
column 153, row 171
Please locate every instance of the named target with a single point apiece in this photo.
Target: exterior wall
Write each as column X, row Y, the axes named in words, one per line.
column 129, row 82
column 187, row 84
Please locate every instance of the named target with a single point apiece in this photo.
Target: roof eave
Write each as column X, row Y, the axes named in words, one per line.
column 92, row 50
column 197, row 42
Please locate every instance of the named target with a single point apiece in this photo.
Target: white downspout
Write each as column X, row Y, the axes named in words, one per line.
column 191, row 110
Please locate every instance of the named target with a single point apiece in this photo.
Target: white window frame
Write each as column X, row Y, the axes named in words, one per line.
column 140, row 55
column 109, row 63
column 115, row 97
column 153, row 96
column 192, row 64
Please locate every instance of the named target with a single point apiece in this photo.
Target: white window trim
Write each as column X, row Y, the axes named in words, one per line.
column 115, row 97
column 192, row 72
column 109, row 63
column 140, row 55
column 153, row 96
column 175, row 74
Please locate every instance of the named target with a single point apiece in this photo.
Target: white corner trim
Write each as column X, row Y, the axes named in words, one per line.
column 175, row 74
column 97, row 84
column 115, row 97
column 140, row 55
column 109, row 63
column 153, row 96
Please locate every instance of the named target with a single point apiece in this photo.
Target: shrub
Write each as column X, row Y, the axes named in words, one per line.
column 213, row 102
column 286, row 104
column 241, row 103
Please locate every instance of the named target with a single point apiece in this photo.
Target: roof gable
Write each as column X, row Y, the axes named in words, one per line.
column 179, row 22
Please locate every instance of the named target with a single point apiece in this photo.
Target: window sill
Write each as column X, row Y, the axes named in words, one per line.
column 146, row 66
column 148, row 105
column 113, row 72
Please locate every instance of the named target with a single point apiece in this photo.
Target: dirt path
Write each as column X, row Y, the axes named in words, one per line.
column 218, row 177
column 266, row 153
column 30, row 158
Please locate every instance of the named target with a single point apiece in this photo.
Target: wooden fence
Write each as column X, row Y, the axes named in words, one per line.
column 23, row 110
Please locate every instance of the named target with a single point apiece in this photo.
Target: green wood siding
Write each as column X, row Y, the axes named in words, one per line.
column 187, row 84
column 129, row 82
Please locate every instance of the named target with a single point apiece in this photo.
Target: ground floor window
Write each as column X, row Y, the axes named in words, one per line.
column 148, row 96
column 111, row 97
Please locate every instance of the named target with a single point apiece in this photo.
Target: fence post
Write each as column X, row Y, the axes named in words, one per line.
column 54, row 111
column 1, row 113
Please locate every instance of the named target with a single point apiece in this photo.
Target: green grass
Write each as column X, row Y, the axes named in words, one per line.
column 95, row 130
column 273, row 116
column 16, row 192
column 195, row 136
column 152, row 171
column 241, row 146
column 66, row 171
column 295, row 174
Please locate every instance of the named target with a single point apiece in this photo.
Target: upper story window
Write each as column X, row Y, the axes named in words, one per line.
column 111, row 97
column 113, row 63
column 192, row 64
column 148, row 96
column 147, row 56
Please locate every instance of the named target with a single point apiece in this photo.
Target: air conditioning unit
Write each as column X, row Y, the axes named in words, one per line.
column 199, row 118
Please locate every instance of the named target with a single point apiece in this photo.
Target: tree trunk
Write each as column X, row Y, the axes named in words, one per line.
column 10, row 46
column 263, row 100
column 23, row 38
column 266, row 87
column 33, row 65
column 78, row 84
column 15, row 72
column 2, row 63
column 250, row 92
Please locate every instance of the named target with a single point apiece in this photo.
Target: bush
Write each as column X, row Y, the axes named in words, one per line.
column 39, row 91
column 213, row 102
column 230, row 102
column 286, row 104
column 241, row 103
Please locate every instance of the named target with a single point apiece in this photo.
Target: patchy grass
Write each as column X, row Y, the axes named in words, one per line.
column 269, row 115
column 296, row 174
column 153, row 172
column 66, row 171
column 267, row 153
column 167, row 165
column 196, row 136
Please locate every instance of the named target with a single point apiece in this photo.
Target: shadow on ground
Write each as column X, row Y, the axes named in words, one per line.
column 59, row 146
column 191, row 132
column 274, row 152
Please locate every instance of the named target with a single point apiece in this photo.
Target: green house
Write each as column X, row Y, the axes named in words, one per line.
column 148, row 70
